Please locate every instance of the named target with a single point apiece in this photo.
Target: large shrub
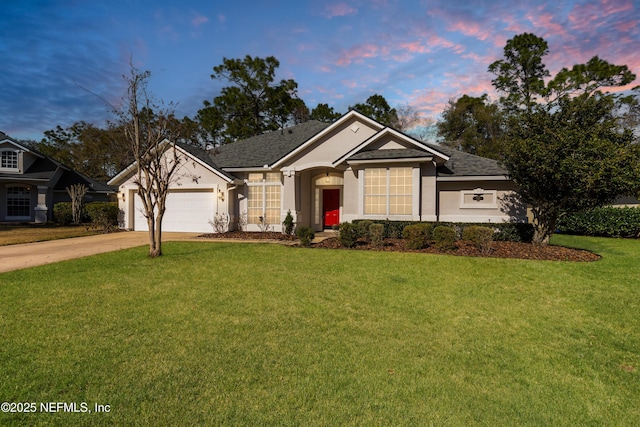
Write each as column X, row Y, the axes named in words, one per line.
column 347, row 234
column 103, row 215
column 604, row 222
column 417, row 235
column 444, row 237
column 63, row 213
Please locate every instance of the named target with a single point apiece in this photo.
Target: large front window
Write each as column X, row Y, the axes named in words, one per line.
column 18, row 202
column 8, row 159
column 388, row 191
column 263, row 198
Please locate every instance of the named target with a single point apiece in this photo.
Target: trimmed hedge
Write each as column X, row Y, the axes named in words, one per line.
column 417, row 235
column 376, row 234
column 103, row 215
column 480, row 236
column 503, row 231
column 348, row 234
column 603, row 222
column 63, row 213
column 444, row 237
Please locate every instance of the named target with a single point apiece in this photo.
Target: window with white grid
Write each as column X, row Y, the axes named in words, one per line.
column 8, row 159
column 18, row 202
column 400, row 191
column 263, row 197
column 388, row 191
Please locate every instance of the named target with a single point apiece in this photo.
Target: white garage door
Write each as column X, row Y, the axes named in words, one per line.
column 188, row 211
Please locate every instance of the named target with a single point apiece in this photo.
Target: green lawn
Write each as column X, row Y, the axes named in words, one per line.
column 11, row 234
column 261, row 334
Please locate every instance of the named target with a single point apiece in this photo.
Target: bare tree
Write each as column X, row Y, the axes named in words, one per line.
column 149, row 136
column 77, row 192
column 408, row 117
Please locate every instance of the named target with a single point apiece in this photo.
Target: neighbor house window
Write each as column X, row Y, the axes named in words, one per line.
column 388, row 191
column 263, row 197
column 18, row 202
column 8, row 159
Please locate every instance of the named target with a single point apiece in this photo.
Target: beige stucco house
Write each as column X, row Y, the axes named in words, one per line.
column 354, row 168
column 31, row 183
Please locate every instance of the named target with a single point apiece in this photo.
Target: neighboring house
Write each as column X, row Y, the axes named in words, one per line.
column 31, row 183
column 354, row 168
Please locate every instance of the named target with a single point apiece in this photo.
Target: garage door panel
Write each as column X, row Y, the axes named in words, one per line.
column 187, row 211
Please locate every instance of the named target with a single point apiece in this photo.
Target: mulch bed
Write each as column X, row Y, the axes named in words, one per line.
column 463, row 248
column 246, row 235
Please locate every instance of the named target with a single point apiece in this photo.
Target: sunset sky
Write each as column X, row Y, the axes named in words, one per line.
column 60, row 57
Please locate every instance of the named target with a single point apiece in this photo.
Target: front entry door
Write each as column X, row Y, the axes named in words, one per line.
column 330, row 207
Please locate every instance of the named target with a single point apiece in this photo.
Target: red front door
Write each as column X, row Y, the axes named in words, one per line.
column 330, row 207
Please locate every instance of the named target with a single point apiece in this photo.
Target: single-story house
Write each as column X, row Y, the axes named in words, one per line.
column 324, row 174
column 31, row 183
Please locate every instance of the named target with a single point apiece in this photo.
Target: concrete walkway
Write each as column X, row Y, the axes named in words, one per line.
column 15, row 257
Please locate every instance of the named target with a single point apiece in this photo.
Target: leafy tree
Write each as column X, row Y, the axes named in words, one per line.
column 324, row 113
column 378, row 109
column 92, row 151
column 253, row 104
column 566, row 148
column 520, row 75
column 473, row 125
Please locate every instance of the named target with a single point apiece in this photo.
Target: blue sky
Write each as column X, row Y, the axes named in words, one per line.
column 54, row 53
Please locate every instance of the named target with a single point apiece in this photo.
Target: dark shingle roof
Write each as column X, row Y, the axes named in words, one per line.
column 465, row 164
column 402, row 153
column 267, row 148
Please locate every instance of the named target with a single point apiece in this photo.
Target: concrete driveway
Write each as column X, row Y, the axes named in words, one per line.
column 15, row 257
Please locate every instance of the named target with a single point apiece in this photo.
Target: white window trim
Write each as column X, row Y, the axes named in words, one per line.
column 17, row 154
column 478, row 191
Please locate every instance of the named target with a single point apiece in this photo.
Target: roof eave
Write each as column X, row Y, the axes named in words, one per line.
column 473, row 178
column 400, row 160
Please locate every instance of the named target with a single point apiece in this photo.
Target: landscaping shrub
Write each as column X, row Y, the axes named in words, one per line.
column 103, row 215
column 376, row 235
column 604, row 222
column 363, row 228
column 512, row 232
column 306, row 235
column 417, row 235
column 444, row 237
column 503, row 231
column 347, row 234
column 481, row 237
column 63, row 213
column 288, row 224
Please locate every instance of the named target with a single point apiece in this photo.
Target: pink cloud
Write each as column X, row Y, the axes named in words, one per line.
column 199, row 20
column 471, row 28
column 339, row 9
column 222, row 19
column 358, row 53
column 351, row 84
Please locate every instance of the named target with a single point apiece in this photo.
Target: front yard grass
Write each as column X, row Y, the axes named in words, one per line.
column 15, row 234
column 260, row 334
